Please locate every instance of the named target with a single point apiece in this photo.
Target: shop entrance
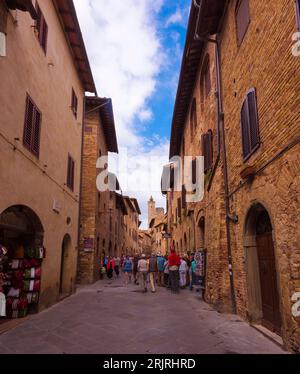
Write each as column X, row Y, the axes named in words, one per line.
column 264, row 306
column 21, row 240
column 65, row 283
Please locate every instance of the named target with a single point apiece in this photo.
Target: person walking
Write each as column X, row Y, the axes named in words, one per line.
column 143, row 269
column 183, row 268
column 166, row 273
column 117, row 261
column 174, row 263
column 127, row 268
column 160, row 267
column 135, row 268
column 110, row 267
column 192, row 272
column 153, row 271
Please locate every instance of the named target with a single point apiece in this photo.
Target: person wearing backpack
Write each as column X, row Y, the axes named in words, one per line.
column 160, row 265
column 127, row 268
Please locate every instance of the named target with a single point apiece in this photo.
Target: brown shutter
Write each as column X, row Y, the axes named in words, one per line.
column 38, row 19
column 209, row 149
column 36, row 133
column 249, row 125
column 179, row 207
column 183, row 197
column 253, row 120
column 29, row 115
column 70, row 173
column 245, row 129
column 194, row 171
column 44, row 35
column 242, row 19
column 297, row 7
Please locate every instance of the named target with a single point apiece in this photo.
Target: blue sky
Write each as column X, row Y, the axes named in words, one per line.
column 135, row 50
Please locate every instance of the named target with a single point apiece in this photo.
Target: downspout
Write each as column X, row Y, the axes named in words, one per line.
column 80, row 184
column 221, row 143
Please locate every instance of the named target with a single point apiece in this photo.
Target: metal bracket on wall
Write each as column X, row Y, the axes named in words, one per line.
column 234, row 218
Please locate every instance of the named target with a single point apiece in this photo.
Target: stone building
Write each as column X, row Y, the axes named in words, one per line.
column 44, row 74
column 131, row 229
column 153, row 211
column 145, row 242
column 237, row 102
column 99, row 218
column 157, row 230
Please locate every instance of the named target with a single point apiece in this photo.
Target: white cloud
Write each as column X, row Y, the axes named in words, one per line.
column 126, row 57
column 175, row 18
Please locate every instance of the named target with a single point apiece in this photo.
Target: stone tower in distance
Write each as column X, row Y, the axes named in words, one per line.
column 151, row 210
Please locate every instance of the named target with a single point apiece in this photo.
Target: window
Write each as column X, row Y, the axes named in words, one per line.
column 183, row 197
column 242, row 17
column 42, row 28
column 193, row 120
column 249, row 125
column 297, row 5
column 74, row 103
column 70, row 173
column 207, row 150
column 32, row 127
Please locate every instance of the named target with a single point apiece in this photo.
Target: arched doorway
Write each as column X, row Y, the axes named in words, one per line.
column 201, row 234
column 263, row 295
column 22, row 235
column 65, row 284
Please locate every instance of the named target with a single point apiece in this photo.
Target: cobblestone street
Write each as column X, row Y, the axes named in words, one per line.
column 109, row 318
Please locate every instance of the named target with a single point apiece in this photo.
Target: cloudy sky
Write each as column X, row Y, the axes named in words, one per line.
column 135, row 49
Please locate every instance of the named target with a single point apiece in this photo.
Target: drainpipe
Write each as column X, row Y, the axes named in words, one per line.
column 221, row 143
column 229, row 217
column 80, row 186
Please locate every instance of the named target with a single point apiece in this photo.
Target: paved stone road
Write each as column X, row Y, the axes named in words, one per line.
column 109, row 318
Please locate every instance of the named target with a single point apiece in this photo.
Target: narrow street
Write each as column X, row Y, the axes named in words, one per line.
column 108, row 318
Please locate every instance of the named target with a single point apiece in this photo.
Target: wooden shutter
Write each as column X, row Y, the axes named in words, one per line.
column 32, row 127
column 29, row 115
column 36, row 133
column 297, row 7
column 70, row 173
column 194, row 171
column 42, row 28
column 183, row 197
column 179, row 207
column 249, row 125
column 74, row 103
column 242, row 19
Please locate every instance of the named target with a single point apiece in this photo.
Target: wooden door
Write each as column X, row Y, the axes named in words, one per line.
column 268, row 281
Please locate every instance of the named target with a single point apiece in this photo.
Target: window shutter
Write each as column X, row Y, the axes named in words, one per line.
column 74, row 103
column 179, row 207
column 297, row 6
column 44, row 35
column 36, row 133
column 194, row 171
column 253, row 120
column 183, row 197
column 207, row 141
column 242, row 19
column 29, row 115
column 70, row 173
column 249, row 125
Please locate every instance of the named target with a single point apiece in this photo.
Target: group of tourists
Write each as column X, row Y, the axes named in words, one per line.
column 173, row 271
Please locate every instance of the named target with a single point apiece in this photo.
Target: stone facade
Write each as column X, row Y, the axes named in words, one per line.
column 131, row 227
column 38, row 185
column 262, row 60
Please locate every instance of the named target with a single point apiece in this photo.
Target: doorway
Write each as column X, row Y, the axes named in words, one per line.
column 65, row 284
column 263, row 295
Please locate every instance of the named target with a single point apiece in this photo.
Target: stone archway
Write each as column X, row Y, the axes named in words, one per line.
column 65, row 284
column 262, row 279
column 200, row 229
